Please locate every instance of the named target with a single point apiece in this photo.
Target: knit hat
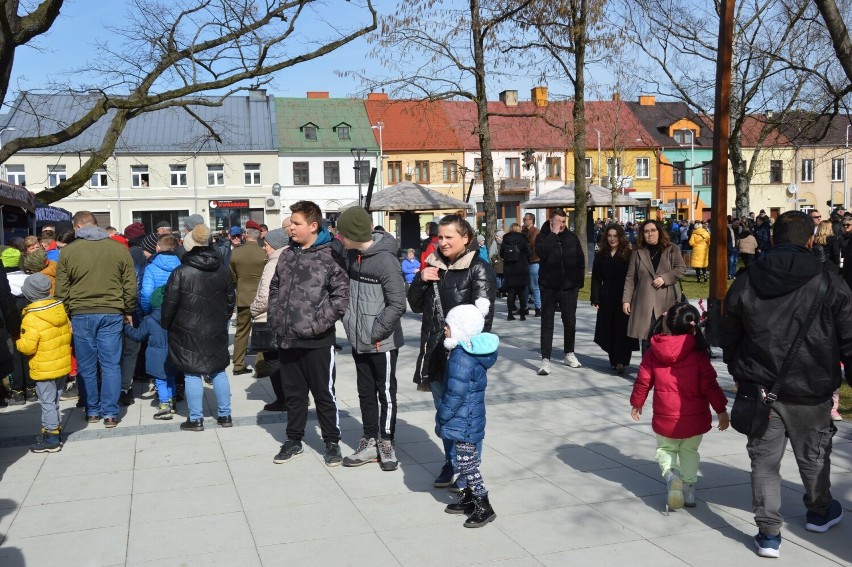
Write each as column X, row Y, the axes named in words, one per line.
column 35, row 261
column 277, row 238
column 36, row 286
column 200, row 236
column 480, row 238
column 157, row 297
column 466, row 321
column 135, row 230
column 164, row 224
column 235, row 231
column 355, row 224
column 149, row 243
column 192, row 221
column 253, row 225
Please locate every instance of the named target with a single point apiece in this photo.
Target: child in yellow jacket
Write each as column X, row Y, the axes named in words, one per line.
column 46, row 339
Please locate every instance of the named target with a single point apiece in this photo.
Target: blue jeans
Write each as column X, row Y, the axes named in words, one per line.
column 533, row 289
column 733, row 258
column 98, row 338
column 195, row 392
column 450, row 446
column 165, row 388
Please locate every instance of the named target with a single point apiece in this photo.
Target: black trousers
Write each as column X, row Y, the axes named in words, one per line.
column 376, row 372
column 520, row 292
column 567, row 299
column 304, row 370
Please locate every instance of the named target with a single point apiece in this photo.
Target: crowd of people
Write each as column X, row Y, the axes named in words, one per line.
column 89, row 310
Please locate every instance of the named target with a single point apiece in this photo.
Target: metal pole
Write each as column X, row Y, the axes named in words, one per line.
column 356, row 153
column 845, row 159
column 692, row 176
column 12, row 129
column 599, row 156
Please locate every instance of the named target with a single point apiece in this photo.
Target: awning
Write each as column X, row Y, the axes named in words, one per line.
column 409, row 196
column 564, row 197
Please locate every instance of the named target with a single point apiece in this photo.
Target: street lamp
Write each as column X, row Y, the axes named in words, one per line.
column 357, row 153
column 845, row 161
column 12, row 129
column 692, row 176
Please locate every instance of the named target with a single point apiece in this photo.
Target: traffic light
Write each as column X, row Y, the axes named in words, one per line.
column 528, row 158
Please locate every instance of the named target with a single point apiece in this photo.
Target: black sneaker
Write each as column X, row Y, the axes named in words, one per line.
column 289, row 450
column 225, row 421
column 274, row 406
column 192, row 425
column 71, row 392
column 16, row 398
column 126, row 398
column 31, row 394
column 333, row 457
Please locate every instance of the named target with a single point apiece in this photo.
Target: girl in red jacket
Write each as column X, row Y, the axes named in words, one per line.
column 678, row 367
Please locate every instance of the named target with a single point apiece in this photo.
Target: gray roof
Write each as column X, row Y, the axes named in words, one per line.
column 564, row 197
column 244, row 123
column 409, row 196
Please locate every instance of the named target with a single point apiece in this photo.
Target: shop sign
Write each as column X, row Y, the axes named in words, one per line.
column 233, row 204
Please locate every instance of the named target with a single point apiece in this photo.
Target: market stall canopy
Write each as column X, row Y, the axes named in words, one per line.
column 47, row 213
column 17, row 196
column 408, row 196
column 564, row 197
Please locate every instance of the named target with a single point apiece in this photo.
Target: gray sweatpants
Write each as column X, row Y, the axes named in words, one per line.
column 48, row 392
column 810, row 430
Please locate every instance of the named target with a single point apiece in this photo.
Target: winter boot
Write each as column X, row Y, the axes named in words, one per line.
column 482, row 513
column 464, row 505
column 689, row 495
column 674, row 483
column 48, row 442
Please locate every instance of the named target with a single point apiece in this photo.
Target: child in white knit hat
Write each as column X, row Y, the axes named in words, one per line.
column 461, row 414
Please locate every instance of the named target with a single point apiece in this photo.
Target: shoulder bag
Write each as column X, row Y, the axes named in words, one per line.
column 750, row 413
column 262, row 337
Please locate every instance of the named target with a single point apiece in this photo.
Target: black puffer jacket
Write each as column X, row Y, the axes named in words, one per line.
column 516, row 273
column 197, row 305
column 464, row 281
column 764, row 309
column 563, row 264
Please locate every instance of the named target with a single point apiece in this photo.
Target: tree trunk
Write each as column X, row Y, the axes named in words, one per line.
column 487, row 162
column 578, row 113
column 741, row 177
column 839, row 34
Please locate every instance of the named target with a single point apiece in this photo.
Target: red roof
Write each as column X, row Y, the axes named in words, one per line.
column 752, row 126
column 512, row 127
column 412, row 125
column 618, row 126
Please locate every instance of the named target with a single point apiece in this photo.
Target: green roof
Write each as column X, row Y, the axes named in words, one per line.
column 329, row 116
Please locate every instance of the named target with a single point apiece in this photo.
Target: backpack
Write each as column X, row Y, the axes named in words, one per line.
column 511, row 252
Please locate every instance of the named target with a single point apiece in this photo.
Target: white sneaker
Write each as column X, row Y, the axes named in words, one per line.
column 571, row 360
column 544, row 370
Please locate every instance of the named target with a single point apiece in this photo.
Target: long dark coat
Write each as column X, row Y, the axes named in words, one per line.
column 516, row 274
column 608, row 275
column 645, row 301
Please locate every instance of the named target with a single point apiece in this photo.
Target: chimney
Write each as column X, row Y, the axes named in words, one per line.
column 317, row 94
column 509, row 98
column 647, row 100
column 616, row 97
column 377, row 96
column 539, row 96
column 257, row 95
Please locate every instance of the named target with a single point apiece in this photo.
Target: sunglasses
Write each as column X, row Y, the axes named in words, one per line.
column 846, row 225
column 816, row 216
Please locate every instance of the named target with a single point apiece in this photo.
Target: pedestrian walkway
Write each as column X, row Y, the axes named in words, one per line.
column 571, row 477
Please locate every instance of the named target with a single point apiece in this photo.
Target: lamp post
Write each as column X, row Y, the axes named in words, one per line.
column 12, row 129
column 380, row 126
column 357, row 153
column 845, row 160
column 692, row 176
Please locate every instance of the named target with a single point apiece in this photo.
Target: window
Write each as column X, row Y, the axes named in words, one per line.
column 808, row 170
column 613, row 167
column 394, row 172
column 643, row 168
column 215, row 174
column 837, row 169
column 679, row 173
column 553, row 167
column 776, row 168
column 99, row 178
column 362, row 173
column 331, row 172
column 301, row 174
column 706, row 174
column 588, row 168
column 513, row 168
column 343, row 132
column 421, row 171
column 252, row 173
column 15, row 174
column 55, row 175
column 138, row 175
column 177, row 175
column 477, row 169
column 451, row 171
column 683, row 137
column 310, row 133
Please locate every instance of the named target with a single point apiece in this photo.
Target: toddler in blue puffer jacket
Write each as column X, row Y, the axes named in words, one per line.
column 461, row 414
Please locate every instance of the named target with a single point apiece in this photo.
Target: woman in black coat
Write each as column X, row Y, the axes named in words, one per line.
column 515, row 251
column 608, row 274
column 197, row 306
column 460, row 276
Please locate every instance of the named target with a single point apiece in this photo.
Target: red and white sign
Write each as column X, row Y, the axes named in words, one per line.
column 232, row 204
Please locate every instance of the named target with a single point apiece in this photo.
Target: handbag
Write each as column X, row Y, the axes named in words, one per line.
column 262, row 337
column 439, row 351
column 683, row 298
column 752, row 405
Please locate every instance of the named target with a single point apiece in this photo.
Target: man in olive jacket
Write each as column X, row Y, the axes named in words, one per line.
column 247, row 262
column 96, row 280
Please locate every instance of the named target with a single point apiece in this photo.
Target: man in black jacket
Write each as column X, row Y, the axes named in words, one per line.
column 764, row 310
column 561, row 275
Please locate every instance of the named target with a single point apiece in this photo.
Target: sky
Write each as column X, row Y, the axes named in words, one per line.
column 71, row 43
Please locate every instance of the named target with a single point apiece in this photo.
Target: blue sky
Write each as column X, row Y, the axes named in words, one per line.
column 70, row 43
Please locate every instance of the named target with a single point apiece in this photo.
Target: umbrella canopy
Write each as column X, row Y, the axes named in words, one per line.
column 564, row 197
column 408, row 196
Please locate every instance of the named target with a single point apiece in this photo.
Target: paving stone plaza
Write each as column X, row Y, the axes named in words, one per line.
column 572, row 478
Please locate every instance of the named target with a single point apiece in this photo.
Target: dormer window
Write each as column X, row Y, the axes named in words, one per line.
column 683, row 137
column 342, row 130
column 310, row 131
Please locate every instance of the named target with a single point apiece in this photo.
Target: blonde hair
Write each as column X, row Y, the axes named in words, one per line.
column 515, row 227
column 824, row 231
